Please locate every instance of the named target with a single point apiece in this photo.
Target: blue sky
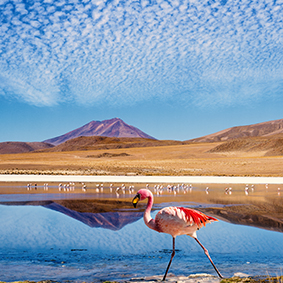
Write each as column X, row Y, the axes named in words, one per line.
column 175, row 69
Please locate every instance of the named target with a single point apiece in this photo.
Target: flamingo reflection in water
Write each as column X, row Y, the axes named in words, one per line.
column 174, row 221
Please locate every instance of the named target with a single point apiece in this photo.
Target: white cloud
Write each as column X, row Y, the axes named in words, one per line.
column 124, row 50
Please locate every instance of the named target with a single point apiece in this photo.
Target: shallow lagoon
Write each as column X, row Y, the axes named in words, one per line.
column 39, row 242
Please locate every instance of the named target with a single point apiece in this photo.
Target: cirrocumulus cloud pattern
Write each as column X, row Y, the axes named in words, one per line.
column 121, row 52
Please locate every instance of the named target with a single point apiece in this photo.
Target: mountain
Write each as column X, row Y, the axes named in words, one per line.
column 264, row 129
column 109, row 128
column 22, row 147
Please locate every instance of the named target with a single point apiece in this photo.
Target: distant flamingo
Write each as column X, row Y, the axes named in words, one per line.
column 174, row 221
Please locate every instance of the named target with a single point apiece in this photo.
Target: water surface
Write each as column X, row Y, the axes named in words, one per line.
column 41, row 239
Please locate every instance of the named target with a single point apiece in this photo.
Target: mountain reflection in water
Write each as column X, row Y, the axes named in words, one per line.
column 108, row 220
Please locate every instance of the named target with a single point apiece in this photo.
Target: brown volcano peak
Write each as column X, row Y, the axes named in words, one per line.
column 108, row 128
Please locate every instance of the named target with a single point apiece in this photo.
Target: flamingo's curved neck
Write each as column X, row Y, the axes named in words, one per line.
column 147, row 217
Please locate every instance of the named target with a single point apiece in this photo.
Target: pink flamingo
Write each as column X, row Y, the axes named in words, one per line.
column 174, row 221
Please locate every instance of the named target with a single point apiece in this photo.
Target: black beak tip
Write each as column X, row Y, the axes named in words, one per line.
column 136, row 200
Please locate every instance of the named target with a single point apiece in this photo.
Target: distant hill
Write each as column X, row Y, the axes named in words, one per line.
column 22, row 147
column 271, row 145
column 108, row 128
column 100, row 143
column 256, row 130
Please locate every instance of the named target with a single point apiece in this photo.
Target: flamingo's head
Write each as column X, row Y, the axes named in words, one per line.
column 141, row 195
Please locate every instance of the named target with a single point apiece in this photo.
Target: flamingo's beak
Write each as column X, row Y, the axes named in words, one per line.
column 136, row 200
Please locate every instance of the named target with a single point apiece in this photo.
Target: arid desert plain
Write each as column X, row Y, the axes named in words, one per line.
column 192, row 159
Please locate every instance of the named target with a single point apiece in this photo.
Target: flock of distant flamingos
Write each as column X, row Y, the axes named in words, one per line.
column 157, row 189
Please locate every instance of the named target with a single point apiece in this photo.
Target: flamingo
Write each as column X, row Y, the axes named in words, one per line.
column 174, row 221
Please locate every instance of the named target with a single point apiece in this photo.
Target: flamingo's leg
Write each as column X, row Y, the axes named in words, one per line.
column 172, row 255
column 207, row 254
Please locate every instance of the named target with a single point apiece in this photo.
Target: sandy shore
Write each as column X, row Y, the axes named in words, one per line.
column 201, row 278
column 142, row 179
column 207, row 278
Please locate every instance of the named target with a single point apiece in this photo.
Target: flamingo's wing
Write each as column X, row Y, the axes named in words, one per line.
column 197, row 217
column 180, row 221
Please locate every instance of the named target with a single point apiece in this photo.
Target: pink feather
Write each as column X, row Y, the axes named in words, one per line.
column 198, row 217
